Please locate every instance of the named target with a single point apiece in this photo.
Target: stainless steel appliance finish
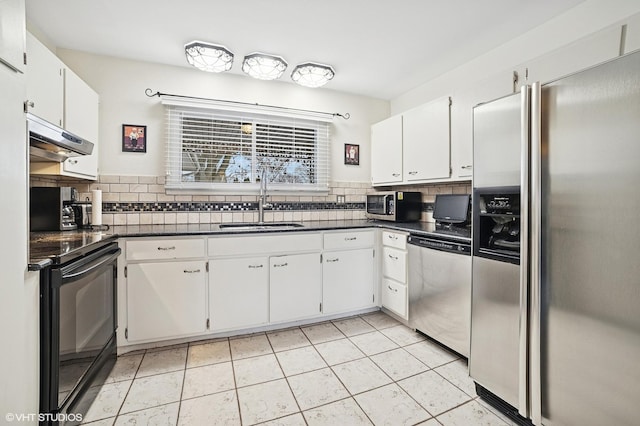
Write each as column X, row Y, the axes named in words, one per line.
column 395, row 206
column 440, row 290
column 494, row 357
column 48, row 142
column 82, row 213
column 578, row 338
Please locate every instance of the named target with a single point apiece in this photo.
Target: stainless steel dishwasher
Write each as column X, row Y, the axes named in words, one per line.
column 440, row 289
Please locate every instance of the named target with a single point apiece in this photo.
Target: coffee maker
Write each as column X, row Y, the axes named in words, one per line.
column 51, row 209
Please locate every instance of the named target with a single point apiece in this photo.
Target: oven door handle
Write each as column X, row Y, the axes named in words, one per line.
column 385, row 207
column 90, row 267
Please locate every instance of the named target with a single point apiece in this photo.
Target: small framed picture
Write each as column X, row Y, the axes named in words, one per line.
column 352, row 154
column 134, row 138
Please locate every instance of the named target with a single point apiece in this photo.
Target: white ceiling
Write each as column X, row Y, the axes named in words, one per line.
column 379, row 48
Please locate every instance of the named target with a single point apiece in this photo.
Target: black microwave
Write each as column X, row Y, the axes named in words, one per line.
column 396, row 206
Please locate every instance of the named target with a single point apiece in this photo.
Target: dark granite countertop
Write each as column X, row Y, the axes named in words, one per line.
column 46, row 248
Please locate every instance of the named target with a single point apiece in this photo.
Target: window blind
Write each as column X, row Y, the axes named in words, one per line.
column 215, row 150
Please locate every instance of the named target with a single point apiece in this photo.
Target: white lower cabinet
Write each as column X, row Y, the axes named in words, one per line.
column 239, row 292
column 166, row 300
column 394, row 264
column 347, row 280
column 394, row 296
column 180, row 287
column 295, row 287
column 393, row 286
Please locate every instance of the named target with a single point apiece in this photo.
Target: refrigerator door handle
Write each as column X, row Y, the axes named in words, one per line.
column 535, row 376
column 523, row 327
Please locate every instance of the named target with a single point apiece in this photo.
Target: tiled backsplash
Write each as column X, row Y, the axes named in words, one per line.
column 141, row 200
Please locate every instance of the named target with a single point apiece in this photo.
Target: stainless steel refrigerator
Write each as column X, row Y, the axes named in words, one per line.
column 555, row 321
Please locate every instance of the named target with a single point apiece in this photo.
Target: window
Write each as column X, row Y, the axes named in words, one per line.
column 211, row 150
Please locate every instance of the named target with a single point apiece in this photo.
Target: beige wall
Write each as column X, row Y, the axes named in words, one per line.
column 581, row 21
column 121, row 84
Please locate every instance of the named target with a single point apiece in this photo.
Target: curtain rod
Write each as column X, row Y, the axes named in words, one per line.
column 150, row 94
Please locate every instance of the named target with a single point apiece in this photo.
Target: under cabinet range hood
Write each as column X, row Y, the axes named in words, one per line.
column 48, row 142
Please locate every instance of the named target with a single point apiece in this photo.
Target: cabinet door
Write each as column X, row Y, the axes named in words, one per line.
column 12, row 31
column 586, row 52
column 81, row 104
column 166, row 300
column 496, row 86
column 632, row 38
column 394, row 264
column 44, row 82
column 295, row 287
column 238, row 292
column 394, row 297
column 426, row 142
column 347, row 280
column 386, row 151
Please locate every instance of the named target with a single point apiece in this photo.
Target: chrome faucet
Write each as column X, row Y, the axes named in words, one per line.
column 262, row 200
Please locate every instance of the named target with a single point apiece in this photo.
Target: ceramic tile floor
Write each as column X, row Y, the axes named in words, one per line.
column 361, row 370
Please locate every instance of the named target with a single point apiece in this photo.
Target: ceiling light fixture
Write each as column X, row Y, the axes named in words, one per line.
column 312, row 75
column 208, row 57
column 264, row 67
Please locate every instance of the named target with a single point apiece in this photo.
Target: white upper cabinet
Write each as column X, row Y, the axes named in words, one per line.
column 45, row 82
column 12, row 31
column 81, row 104
column 58, row 95
column 464, row 100
column 632, row 36
column 386, row 151
column 426, row 142
column 414, row 147
column 586, row 52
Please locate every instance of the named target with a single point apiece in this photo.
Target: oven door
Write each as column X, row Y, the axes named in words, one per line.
column 80, row 319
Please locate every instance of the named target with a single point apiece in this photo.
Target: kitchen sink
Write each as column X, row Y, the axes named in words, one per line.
column 269, row 225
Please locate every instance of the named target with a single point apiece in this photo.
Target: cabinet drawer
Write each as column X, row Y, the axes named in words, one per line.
column 260, row 244
column 158, row 249
column 394, row 297
column 394, row 239
column 347, row 240
column 394, row 264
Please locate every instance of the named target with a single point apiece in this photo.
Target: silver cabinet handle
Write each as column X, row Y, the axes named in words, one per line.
column 72, row 161
column 337, row 259
column 350, row 238
column 395, row 174
column 393, row 257
column 467, row 167
column 413, row 173
column 392, row 289
column 191, row 271
column 279, row 265
column 255, row 266
column 166, row 248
